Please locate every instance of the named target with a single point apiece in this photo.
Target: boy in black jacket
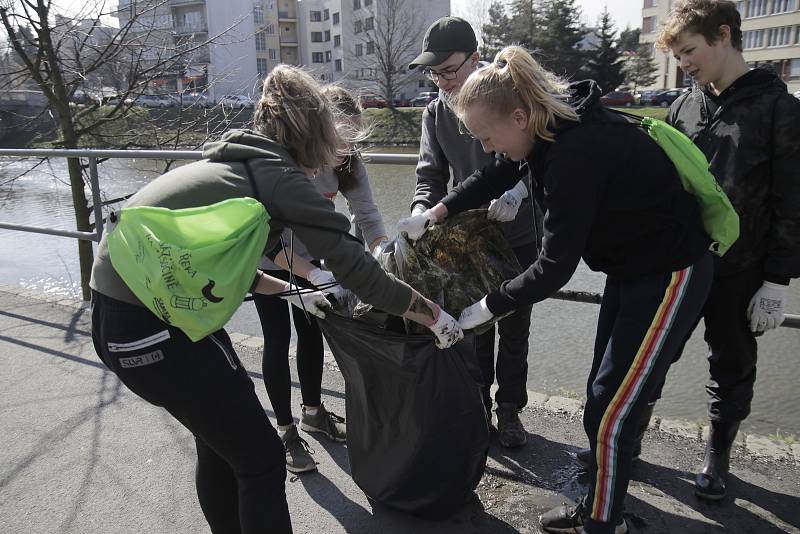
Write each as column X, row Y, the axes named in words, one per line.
column 748, row 126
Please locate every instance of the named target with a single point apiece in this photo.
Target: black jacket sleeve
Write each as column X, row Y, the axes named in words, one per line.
column 484, row 185
column 571, row 194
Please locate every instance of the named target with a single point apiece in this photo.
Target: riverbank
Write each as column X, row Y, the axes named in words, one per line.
column 80, row 453
column 172, row 128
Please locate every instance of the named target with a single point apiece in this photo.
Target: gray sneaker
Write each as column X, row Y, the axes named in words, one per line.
column 298, row 453
column 326, row 422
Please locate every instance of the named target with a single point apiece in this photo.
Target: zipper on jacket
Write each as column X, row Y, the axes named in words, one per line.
column 227, row 354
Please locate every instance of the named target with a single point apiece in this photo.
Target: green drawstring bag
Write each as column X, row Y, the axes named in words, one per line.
column 719, row 218
column 192, row 267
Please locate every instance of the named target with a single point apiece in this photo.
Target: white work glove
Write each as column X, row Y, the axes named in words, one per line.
column 318, row 277
column 415, row 226
column 380, row 248
column 766, row 308
column 505, row 208
column 446, row 330
column 314, row 302
column 475, row 315
column 418, row 209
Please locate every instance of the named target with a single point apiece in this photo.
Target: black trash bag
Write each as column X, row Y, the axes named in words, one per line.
column 417, row 436
column 455, row 264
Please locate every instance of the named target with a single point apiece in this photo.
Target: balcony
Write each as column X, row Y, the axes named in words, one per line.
column 175, row 3
column 182, row 29
column 286, row 16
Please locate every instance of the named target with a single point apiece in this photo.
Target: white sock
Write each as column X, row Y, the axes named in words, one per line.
column 283, row 429
column 312, row 411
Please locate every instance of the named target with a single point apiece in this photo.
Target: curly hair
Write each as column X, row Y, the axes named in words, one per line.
column 702, row 17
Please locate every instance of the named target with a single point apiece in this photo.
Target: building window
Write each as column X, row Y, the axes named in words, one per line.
column 357, row 28
column 261, row 41
column 782, row 6
column 369, row 23
column 370, row 48
column 328, row 56
column 359, row 50
column 338, row 65
column 337, row 41
column 327, row 35
column 269, row 29
column 261, row 66
column 317, row 57
column 740, row 7
column 316, row 16
column 794, row 69
column 316, row 37
column 650, row 3
column 336, row 18
column 779, row 36
column 753, row 39
column 356, row 4
column 273, row 54
column 756, row 8
column 326, row 14
column 649, row 24
column 258, row 15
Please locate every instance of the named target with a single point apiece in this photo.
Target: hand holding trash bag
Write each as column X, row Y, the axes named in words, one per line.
column 446, row 330
column 327, row 281
column 415, row 226
column 475, row 315
column 314, row 302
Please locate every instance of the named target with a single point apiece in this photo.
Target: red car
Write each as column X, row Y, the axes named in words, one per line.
column 618, row 98
column 372, row 101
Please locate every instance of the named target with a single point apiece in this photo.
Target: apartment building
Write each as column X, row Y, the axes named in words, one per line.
column 345, row 40
column 770, row 35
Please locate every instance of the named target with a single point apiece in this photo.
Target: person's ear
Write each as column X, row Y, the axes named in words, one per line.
column 724, row 35
column 520, row 118
column 474, row 58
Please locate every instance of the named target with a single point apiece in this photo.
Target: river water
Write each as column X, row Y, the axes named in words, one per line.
column 562, row 333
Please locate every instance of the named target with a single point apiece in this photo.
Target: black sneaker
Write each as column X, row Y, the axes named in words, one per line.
column 509, row 427
column 298, row 453
column 325, row 422
column 570, row 518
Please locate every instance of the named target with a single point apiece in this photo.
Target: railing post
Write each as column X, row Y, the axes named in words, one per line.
column 97, row 204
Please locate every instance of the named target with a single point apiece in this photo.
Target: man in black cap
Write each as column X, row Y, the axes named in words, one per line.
column 449, row 55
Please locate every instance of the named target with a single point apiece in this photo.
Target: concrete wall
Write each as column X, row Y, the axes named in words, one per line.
column 233, row 55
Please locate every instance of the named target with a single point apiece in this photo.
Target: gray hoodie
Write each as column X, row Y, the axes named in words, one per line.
column 444, row 146
column 292, row 201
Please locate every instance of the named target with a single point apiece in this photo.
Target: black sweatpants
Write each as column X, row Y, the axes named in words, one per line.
column 641, row 327
column 273, row 312
column 512, row 350
column 241, row 467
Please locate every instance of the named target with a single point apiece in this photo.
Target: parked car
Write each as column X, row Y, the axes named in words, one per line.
column 372, row 101
column 665, row 98
column 153, row 101
column 423, row 99
column 236, row 101
column 190, row 99
column 643, row 98
column 618, row 98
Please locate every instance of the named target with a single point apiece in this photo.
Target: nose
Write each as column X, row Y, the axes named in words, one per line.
column 684, row 64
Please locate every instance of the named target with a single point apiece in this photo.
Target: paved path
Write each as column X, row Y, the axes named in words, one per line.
column 80, row 453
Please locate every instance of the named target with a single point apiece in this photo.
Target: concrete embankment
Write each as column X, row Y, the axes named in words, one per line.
column 81, row 453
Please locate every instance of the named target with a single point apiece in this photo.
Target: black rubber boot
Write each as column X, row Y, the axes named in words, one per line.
column 710, row 482
column 584, row 456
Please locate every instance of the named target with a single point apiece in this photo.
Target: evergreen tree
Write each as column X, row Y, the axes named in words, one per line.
column 525, row 22
column 604, row 64
column 556, row 39
column 629, row 40
column 497, row 32
column 640, row 70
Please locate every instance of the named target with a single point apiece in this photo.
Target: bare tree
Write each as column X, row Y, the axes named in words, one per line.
column 386, row 42
column 476, row 12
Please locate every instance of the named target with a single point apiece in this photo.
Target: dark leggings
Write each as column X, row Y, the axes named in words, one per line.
column 241, row 467
column 274, row 315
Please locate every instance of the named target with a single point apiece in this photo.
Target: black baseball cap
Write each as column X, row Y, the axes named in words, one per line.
column 445, row 36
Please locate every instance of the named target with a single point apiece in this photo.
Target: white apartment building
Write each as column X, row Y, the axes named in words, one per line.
column 770, row 34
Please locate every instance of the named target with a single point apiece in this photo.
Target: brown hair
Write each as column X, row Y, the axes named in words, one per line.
column 702, row 17
column 516, row 80
column 293, row 112
column 349, row 108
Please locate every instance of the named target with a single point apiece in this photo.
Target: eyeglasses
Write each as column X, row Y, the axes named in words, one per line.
column 447, row 75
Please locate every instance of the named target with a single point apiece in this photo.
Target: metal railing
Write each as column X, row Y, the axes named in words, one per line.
column 92, row 155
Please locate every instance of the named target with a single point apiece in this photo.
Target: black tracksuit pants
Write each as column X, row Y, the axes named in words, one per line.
column 512, row 350
column 273, row 312
column 641, row 327
column 241, row 467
